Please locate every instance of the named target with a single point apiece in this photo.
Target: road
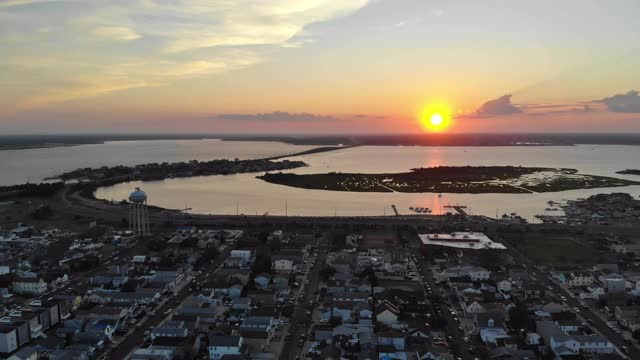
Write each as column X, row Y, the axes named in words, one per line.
column 300, row 323
column 134, row 339
column 452, row 326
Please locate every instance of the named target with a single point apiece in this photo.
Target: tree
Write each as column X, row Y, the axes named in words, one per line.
column 490, row 258
column 519, row 316
column 335, row 321
column 274, row 244
column 262, row 264
column 327, row 272
column 210, row 253
column 42, row 212
column 129, row 286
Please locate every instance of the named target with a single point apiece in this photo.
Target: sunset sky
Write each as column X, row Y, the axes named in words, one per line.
column 318, row 66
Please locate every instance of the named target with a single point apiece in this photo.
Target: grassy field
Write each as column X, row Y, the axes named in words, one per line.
column 559, row 251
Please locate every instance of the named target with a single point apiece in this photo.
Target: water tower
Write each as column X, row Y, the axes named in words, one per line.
column 138, row 213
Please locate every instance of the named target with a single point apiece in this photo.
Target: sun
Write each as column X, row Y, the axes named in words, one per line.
column 436, row 120
column 435, row 117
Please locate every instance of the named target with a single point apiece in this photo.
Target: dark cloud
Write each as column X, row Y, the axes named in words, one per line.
column 499, row 106
column 367, row 116
column 623, row 103
column 277, row 116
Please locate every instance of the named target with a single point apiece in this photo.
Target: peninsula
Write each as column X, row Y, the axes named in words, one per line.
column 159, row 171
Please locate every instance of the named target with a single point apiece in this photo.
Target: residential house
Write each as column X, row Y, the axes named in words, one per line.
column 395, row 339
column 285, row 263
column 155, row 352
column 243, row 304
column 8, row 339
column 26, row 353
column 387, row 313
column 170, row 329
column 29, row 286
column 342, row 310
column 532, row 291
column 568, row 326
column 505, row 285
column 220, row 346
column 21, row 326
column 564, row 344
column 260, row 327
column 262, row 280
column 552, row 308
column 580, row 279
column 396, row 266
column 281, row 280
column 491, row 327
column 592, row 292
column 140, row 296
column 351, row 296
column 474, row 308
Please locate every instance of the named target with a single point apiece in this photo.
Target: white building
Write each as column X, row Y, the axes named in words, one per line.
column 155, row 353
column 224, row 345
column 474, row 308
column 475, row 273
column 563, row 344
column 283, row 265
column 30, row 286
column 505, row 286
column 387, row 313
column 170, row 329
column 243, row 254
column 461, row 240
column 580, row 279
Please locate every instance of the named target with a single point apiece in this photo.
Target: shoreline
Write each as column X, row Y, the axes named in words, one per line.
column 28, row 142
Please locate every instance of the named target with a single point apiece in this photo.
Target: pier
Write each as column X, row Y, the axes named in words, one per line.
column 461, row 209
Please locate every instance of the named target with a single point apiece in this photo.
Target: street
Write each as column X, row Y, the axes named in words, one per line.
column 134, row 339
column 299, row 321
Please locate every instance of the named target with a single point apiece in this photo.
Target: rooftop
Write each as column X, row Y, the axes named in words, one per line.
column 461, row 240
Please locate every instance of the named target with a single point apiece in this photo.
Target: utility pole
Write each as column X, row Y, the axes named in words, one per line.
column 286, row 208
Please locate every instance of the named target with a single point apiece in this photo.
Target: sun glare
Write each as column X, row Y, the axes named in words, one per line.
column 436, row 120
column 435, row 117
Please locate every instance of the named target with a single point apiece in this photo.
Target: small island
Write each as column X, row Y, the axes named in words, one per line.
column 159, row 171
column 629, row 172
column 452, row 179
